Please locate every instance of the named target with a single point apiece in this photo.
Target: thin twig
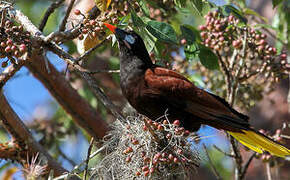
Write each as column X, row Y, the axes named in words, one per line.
column 226, row 73
column 88, row 158
column 64, row 20
column 48, row 12
column 245, row 168
column 88, row 52
column 268, row 171
column 102, row 96
column 12, row 123
column 226, row 154
column 211, row 163
column 104, row 71
column 91, row 156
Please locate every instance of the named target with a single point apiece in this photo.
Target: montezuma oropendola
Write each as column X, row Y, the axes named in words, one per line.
column 152, row 90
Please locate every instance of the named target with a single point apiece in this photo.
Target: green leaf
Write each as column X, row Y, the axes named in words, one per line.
column 265, row 26
column 162, row 31
column 188, row 34
column 149, row 39
column 229, row 9
column 276, row 2
column 190, row 51
column 197, row 5
column 208, row 58
column 180, row 3
column 249, row 11
column 137, row 21
column 143, row 7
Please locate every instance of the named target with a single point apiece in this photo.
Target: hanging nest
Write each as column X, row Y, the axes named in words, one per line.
column 144, row 149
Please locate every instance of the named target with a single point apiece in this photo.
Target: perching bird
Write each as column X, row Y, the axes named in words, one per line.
column 153, row 90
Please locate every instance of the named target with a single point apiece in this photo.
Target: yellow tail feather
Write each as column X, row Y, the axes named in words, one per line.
column 259, row 143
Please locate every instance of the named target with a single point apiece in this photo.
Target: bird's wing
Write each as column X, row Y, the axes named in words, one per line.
column 213, row 109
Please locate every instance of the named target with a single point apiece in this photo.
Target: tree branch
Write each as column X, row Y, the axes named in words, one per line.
column 12, row 123
column 67, row 97
column 69, row 8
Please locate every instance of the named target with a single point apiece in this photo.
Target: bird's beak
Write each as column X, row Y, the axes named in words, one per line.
column 119, row 33
column 111, row 27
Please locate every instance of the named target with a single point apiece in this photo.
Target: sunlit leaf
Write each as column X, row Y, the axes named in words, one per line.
column 87, row 43
column 137, row 21
column 249, row 11
column 143, row 7
column 190, row 51
column 103, row 4
column 162, row 31
column 180, row 3
column 197, row 5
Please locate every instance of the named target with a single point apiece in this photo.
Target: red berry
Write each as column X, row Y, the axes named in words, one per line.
column 186, row 133
column 179, row 151
column 160, row 127
column 77, row 12
column 146, row 159
column 128, row 159
column 176, row 123
column 8, row 49
column 149, row 121
column 157, row 156
column 183, row 41
column 145, row 168
column 145, row 128
column 129, row 149
column 146, row 173
column 278, row 132
column 175, row 160
column 283, row 56
column 9, row 42
column 170, row 157
column 135, row 141
column 22, row 48
column 202, row 28
column 168, row 136
column 138, row 173
column 4, row 64
column 3, row 44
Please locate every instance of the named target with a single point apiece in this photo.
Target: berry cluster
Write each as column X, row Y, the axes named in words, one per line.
column 153, row 149
column 247, row 55
column 14, row 42
column 95, row 27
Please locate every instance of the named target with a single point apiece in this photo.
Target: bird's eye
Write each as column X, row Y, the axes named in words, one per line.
column 130, row 39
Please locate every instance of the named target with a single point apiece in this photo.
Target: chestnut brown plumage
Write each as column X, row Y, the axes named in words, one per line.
column 153, row 90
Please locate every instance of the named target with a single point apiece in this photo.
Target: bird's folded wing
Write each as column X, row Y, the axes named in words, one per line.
column 200, row 103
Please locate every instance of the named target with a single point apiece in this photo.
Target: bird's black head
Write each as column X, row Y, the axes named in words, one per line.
column 131, row 44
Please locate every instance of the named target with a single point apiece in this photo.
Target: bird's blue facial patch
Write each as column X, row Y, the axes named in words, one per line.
column 130, row 39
